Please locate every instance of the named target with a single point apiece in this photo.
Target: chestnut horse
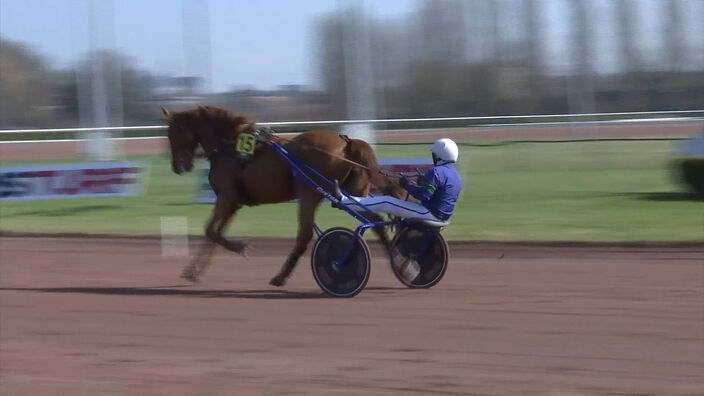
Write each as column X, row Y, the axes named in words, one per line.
column 266, row 178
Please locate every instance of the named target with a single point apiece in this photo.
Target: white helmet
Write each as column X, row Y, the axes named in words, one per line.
column 445, row 150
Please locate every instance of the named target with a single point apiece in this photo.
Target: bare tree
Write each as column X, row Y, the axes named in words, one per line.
column 431, row 64
column 25, row 87
column 673, row 36
column 135, row 87
column 625, row 14
column 331, row 63
column 532, row 12
column 581, row 89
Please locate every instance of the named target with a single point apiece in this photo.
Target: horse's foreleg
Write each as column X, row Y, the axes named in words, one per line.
column 222, row 214
column 194, row 268
column 216, row 236
column 306, row 214
column 202, row 258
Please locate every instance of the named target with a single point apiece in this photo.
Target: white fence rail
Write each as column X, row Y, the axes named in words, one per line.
column 574, row 118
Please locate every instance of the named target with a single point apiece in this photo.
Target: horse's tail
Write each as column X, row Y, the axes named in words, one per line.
column 362, row 153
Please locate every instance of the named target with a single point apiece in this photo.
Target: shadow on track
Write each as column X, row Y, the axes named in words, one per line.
column 664, row 196
column 176, row 291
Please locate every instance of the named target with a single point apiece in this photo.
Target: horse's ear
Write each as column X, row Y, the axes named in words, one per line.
column 246, row 126
column 166, row 112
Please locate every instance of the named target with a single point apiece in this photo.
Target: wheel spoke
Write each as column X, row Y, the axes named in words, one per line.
column 340, row 262
column 423, row 257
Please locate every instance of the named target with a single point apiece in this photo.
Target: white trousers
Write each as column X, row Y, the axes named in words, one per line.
column 392, row 206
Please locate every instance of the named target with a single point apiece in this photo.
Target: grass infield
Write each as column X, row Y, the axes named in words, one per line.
column 572, row 191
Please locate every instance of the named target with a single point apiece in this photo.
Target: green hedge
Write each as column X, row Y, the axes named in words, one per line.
column 691, row 171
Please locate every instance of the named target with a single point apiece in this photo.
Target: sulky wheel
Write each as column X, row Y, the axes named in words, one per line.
column 340, row 262
column 420, row 256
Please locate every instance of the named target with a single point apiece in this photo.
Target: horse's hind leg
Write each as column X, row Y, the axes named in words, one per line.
column 306, row 213
column 380, row 231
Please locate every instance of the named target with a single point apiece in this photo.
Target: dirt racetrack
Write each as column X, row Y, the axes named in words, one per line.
column 110, row 316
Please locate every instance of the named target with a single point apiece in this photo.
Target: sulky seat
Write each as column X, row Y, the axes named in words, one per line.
column 429, row 223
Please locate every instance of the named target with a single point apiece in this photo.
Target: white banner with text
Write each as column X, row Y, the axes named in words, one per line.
column 105, row 179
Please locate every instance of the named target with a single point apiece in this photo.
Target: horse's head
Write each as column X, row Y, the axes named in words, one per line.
column 215, row 129
column 183, row 141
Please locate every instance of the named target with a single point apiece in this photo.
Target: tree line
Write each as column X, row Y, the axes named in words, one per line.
column 34, row 95
column 445, row 58
column 477, row 57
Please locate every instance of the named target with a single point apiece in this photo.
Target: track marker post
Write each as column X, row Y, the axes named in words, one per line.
column 174, row 236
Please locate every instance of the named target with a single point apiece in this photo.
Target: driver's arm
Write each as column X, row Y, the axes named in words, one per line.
column 425, row 191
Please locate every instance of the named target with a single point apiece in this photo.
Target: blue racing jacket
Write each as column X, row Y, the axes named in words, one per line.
column 439, row 190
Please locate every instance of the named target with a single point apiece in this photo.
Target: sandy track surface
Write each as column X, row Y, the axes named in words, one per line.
column 111, row 316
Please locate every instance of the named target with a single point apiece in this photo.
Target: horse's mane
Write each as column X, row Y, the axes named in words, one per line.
column 221, row 120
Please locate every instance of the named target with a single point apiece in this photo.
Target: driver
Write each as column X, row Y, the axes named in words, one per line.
column 437, row 192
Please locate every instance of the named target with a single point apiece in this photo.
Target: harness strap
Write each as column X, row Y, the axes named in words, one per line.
column 270, row 136
column 346, row 139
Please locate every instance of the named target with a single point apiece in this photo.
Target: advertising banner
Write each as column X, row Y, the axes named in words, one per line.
column 409, row 167
column 111, row 179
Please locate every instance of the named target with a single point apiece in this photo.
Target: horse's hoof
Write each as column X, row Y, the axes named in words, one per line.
column 189, row 276
column 278, row 280
column 242, row 248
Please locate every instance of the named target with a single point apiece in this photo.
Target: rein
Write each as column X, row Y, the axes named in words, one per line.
column 380, row 170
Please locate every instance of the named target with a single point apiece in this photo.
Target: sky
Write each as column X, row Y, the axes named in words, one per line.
column 267, row 43
column 262, row 43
